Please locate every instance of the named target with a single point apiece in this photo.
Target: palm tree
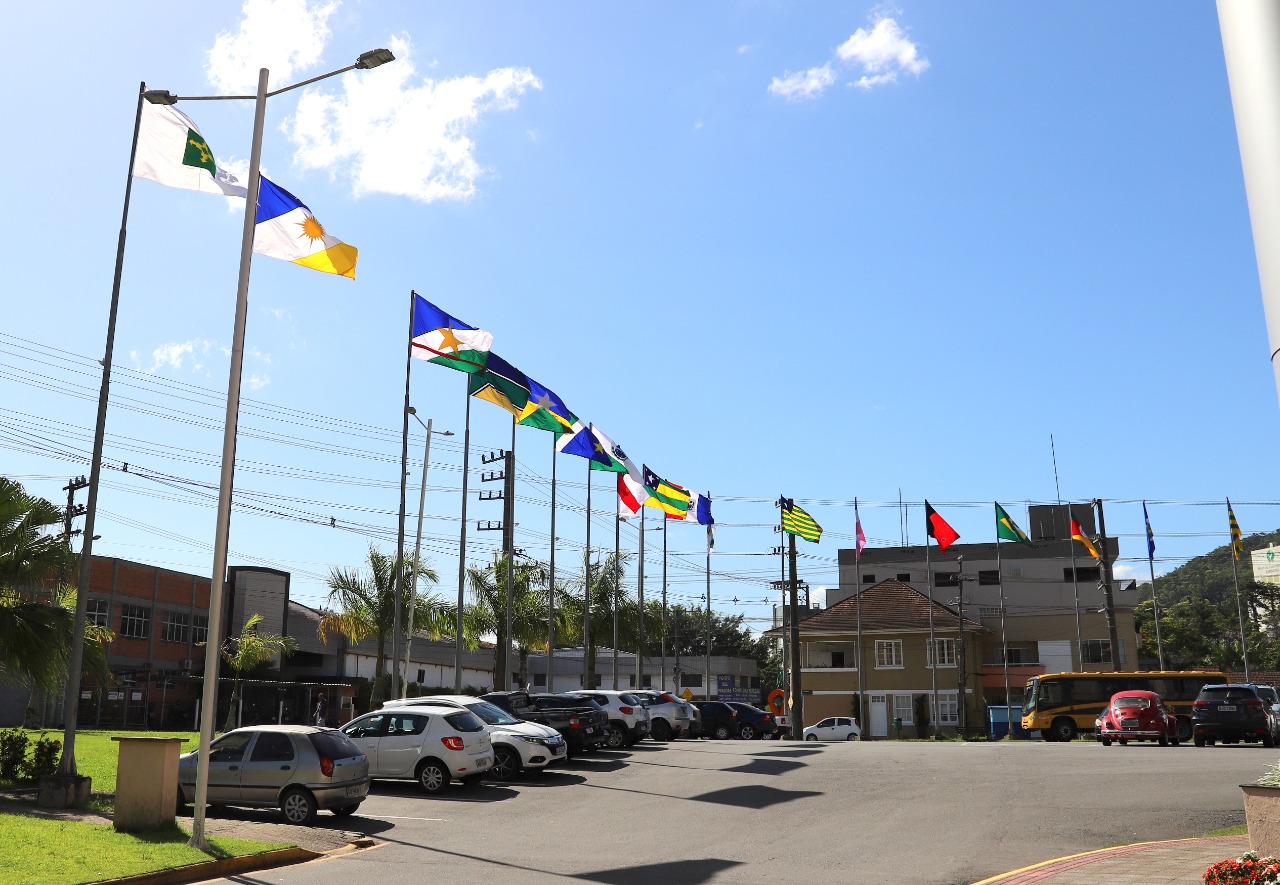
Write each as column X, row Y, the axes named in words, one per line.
column 364, row 606
column 487, row 612
column 606, row 581
column 246, row 651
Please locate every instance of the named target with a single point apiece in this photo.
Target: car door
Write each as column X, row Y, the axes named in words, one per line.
column 226, row 755
column 400, row 746
column 272, row 763
column 364, row 732
column 825, row 730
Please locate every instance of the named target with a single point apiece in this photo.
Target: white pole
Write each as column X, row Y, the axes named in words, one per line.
column 1251, row 45
column 417, row 551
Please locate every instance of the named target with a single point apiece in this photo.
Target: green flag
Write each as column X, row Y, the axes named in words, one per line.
column 1007, row 529
column 797, row 522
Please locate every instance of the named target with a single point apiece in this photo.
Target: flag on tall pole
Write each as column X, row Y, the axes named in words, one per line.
column 1008, row 530
column 544, row 410
column 446, row 340
column 939, row 529
column 285, row 228
column 1237, row 540
column 664, row 495
column 796, row 522
column 1077, row 534
column 171, row 151
column 578, row 440
column 1151, row 538
column 860, row 540
column 502, row 384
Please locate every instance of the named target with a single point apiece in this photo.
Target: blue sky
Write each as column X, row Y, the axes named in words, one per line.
column 824, row 250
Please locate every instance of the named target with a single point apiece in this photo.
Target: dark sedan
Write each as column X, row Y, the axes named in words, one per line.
column 719, row 720
column 752, row 721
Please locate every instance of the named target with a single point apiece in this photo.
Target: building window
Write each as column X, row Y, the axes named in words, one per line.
column 946, row 579
column 755, row 681
column 1083, row 573
column 691, row 680
column 646, row 681
column 888, row 653
column 945, row 650
column 135, row 621
column 868, row 579
column 988, row 577
column 1095, row 651
column 904, row 577
column 902, row 708
column 176, row 627
column 1016, row 655
column 948, row 712
column 539, row 678
column 422, row 676
column 199, row 629
column 98, row 612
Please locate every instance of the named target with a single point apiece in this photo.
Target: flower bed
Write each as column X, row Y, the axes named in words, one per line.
column 1248, row 869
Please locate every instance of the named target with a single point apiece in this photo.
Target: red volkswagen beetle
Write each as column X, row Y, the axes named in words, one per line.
column 1137, row 716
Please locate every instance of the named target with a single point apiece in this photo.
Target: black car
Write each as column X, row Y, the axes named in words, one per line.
column 719, row 720
column 1230, row 713
column 1272, row 699
column 581, row 721
column 752, row 721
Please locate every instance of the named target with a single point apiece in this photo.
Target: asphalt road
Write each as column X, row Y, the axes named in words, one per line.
column 735, row 812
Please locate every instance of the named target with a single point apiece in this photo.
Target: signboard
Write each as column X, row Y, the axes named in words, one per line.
column 726, row 691
column 1266, row 565
column 687, row 695
column 137, row 695
column 114, row 695
column 86, row 695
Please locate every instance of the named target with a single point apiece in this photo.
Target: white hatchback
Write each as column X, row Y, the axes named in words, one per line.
column 431, row 746
column 834, row 728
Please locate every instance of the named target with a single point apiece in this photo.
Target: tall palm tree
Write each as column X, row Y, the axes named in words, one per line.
column 605, row 592
column 487, row 612
column 246, row 651
column 363, row 606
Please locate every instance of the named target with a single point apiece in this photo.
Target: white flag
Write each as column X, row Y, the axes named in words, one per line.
column 172, row 151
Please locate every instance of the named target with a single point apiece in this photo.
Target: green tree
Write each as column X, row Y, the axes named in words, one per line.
column 248, row 650
column 362, row 605
column 486, row 613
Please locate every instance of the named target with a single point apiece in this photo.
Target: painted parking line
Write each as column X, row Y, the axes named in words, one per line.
column 438, row 820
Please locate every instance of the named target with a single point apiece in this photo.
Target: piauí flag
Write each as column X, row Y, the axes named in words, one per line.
column 1237, row 540
column 1078, row 535
column 1007, row 529
column 939, row 529
column 447, row 340
column 172, row 152
column 1151, row 538
column 500, row 383
column 545, row 410
column 859, row 539
column 580, row 441
column 286, row 229
column 632, row 495
column 797, row 522
column 668, row 497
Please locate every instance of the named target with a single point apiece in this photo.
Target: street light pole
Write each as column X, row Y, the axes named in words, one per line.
column 417, row 544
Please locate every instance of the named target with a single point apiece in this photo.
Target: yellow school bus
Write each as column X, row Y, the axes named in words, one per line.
column 1062, row 705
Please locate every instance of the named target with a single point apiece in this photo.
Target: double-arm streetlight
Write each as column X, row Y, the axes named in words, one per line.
column 413, row 585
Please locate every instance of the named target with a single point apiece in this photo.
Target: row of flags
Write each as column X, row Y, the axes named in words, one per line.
column 171, row 151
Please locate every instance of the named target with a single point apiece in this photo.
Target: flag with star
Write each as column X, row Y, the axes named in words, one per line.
column 1007, row 529
column 545, row 411
column 580, row 441
column 1151, row 538
column 666, row 496
column 797, row 522
column 446, row 340
column 171, row 151
column 500, row 383
column 1237, row 540
column 618, row 460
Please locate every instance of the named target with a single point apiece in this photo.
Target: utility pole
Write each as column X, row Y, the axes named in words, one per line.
column 1109, row 604
column 502, row 664
column 961, row 676
column 797, row 691
column 72, row 486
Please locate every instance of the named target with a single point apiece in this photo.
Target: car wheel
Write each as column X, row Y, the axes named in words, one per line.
column 615, row 738
column 661, row 730
column 1164, row 741
column 747, row 732
column 1199, row 741
column 433, row 776
column 810, row 737
column 346, row 810
column 506, row 764
column 1062, row 729
column 851, row 736
column 1268, row 741
column 1106, row 742
column 298, row 807
column 1123, row 742
column 721, row 733
column 1184, row 729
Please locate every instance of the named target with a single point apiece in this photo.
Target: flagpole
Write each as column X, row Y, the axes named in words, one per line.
column 1235, row 576
column 586, row 592
column 397, row 581
column 462, row 542
column 1155, row 601
column 796, row 688
column 640, row 608
column 551, row 587
column 863, row 720
column 509, row 534
column 1075, row 589
column 617, row 590
column 662, row 672
column 707, row 688
column 1004, row 633
column 71, row 698
column 933, row 647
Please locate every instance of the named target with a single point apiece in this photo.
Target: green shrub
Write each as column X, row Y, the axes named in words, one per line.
column 44, row 757
column 13, row 753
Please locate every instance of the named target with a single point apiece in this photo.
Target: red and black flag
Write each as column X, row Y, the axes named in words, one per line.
column 944, row 534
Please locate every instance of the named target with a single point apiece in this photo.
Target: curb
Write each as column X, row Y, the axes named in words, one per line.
column 219, row 869
column 1097, row 854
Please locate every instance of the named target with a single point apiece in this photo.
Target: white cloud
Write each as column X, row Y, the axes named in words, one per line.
column 279, row 313
column 803, row 85
column 175, row 355
column 284, row 36
column 257, row 382
column 400, row 133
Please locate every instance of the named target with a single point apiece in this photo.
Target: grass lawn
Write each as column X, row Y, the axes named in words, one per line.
column 97, row 753
column 37, row 851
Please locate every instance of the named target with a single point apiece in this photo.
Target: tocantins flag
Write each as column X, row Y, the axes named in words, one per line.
column 172, row 151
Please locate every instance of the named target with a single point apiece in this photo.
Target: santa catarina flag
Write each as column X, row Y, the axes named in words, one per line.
column 286, row 229
column 500, row 383
column 1007, row 529
column 545, row 411
column 666, row 496
column 797, row 522
column 172, row 152
column 1077, row 534
column 446, row 340
column 939, row 529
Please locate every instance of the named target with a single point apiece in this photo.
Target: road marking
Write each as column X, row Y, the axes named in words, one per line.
column 439, row 820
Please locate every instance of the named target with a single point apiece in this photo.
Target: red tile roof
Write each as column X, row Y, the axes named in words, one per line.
column 889, row 605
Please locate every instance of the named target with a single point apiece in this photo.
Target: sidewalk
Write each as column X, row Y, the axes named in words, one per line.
column 1179, row 862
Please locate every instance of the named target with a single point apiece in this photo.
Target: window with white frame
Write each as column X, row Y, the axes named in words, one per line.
column 1098, row 651
column 888, row 653
column 902, row 708
column 199, row 629
column 176, row 626
column 943, row 651
column 98, row 611
column 948, row 712
column 135, row 621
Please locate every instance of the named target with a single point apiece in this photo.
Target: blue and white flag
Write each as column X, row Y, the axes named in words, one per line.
column 287, row 230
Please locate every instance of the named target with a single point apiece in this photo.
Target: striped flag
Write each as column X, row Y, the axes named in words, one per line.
column 668, row 497
column 1077, row 534
column 1237, row 541
column 797, row 522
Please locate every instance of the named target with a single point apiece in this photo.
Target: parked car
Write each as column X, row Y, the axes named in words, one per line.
column 431, row 746
column 834, row 728
column 628, row 717
column 580, row 721
column 695, row 721
column 296, row 768
column 1230, row 713
column 1272, row 699
column 719, row 720
column 517, row 745
column 752, row 721
column 668, row 715
column 1137, row 716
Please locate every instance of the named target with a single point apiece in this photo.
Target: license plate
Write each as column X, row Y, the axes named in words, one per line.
column 1228, row 707
column 354, row 791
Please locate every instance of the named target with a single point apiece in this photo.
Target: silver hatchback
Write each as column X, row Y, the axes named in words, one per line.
column 299, row 769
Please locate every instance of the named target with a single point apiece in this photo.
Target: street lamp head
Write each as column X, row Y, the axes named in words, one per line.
column 373, row 58
column 160, row 96
column 443, row 432
column 412, row 410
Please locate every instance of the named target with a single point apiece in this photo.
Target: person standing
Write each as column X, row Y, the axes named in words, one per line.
column 322, row 707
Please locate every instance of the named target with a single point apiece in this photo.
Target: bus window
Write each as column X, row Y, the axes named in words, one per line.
column 1090, row 691
column 1049, row 696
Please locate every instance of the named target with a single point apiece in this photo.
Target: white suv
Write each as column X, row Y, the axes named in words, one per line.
column 628, row 716
column 431, row 746
column 668, row 715
column 517, row 745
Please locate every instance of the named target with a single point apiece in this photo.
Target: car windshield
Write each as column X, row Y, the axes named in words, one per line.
column 1268, row 694
column 492, row 715
column 1131, row 703
column 1029, row 697
column 334, row 745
